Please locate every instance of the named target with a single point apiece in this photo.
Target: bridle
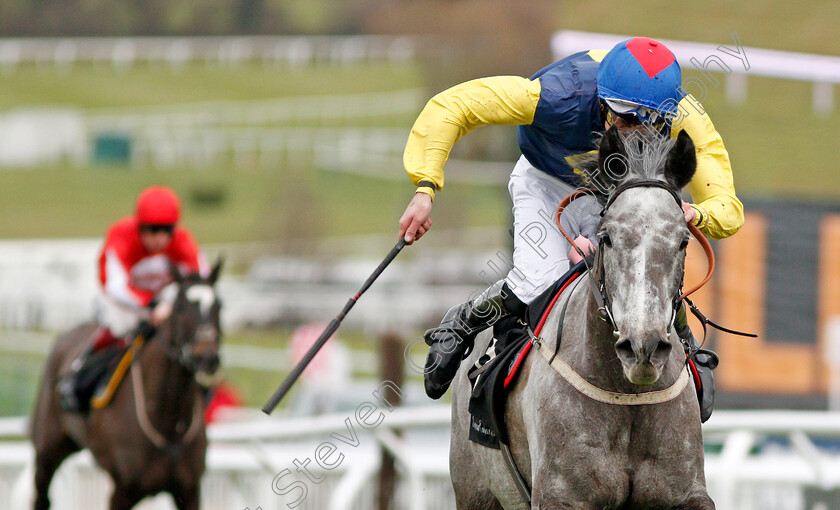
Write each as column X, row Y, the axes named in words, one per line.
column 181, row 350
column 597, row 283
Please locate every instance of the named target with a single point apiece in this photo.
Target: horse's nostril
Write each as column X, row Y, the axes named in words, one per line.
column 663, row 349
column 624, row 349
column 212, row 363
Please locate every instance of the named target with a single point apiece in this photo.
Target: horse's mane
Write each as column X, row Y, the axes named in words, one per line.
column 642, row 157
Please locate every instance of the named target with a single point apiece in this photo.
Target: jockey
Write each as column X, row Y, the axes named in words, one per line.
column 134, row 265
column 560, row 112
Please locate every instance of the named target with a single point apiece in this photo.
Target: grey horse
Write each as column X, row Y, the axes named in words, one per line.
column 573, row 451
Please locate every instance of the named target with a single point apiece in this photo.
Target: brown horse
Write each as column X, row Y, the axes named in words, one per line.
column 151, row 437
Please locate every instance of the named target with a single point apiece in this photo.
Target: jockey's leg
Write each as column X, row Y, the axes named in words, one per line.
column 705, row 361
column 450, row 342
column 539, row 259
column 76, row 387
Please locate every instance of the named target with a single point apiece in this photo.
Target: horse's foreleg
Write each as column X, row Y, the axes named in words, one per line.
column 48, row 458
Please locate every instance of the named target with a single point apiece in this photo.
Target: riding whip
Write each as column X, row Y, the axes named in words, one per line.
column 331, row 328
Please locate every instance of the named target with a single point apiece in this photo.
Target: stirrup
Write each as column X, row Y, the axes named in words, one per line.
column 713, row 361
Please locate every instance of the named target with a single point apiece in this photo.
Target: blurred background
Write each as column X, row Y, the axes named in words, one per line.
column 281, row 124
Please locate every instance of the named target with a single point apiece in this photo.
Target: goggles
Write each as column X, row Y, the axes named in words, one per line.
column 634, row 113
column 156, row 229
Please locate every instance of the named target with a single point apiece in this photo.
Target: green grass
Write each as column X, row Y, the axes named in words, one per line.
column 786, row 158
column 91, row 86
column 19, row 375
column 292, row 201
column 778, row 146
column 300, row 203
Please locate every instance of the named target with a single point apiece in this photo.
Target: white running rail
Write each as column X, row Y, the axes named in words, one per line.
column 767, row 460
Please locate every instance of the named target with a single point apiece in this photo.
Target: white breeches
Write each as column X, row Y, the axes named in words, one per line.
column 540, row 252
column 120, row 318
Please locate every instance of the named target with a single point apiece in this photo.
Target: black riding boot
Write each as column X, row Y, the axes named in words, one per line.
column 453, row 340
column 76, row 387
column 705, row 361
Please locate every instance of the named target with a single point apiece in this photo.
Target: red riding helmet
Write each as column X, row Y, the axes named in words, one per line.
column 158, row 205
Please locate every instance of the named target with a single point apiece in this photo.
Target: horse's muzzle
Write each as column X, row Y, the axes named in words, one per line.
column 643, row 360
column 208, row 363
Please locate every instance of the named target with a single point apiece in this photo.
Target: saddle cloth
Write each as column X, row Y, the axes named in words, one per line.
column 499, row 367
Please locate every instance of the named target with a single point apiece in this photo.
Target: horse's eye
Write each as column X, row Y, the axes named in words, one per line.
column 684, row 244
column 605, row 239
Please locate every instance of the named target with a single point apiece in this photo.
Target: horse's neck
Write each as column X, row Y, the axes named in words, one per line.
column 169, row 389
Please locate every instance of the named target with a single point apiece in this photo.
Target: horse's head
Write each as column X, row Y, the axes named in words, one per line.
column 193, row 325
column 643, row 238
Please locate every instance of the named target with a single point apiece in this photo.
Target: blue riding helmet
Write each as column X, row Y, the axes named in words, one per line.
column 640, row 77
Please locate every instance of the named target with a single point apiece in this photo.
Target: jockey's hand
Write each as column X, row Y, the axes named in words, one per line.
column 160, row 313
column 689, row 212
column 415, row 220
column 585, row 246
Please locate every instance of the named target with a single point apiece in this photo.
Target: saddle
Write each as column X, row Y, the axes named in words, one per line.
column 497, row 369
column 94, row 382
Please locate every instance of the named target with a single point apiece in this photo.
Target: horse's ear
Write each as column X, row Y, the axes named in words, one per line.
column 611, row 143
column 612, row 156
column 681, row 162
column 217, row 269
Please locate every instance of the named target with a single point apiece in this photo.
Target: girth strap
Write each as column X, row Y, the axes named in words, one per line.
column 518, row 479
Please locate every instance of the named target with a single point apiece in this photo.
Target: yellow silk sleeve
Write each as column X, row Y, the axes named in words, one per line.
column 719, row 212
column 455, row 112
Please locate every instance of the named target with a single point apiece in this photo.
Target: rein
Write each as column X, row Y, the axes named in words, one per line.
column 603, row 303
column 146, row 425
column 599, row 290
column 178, row 354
